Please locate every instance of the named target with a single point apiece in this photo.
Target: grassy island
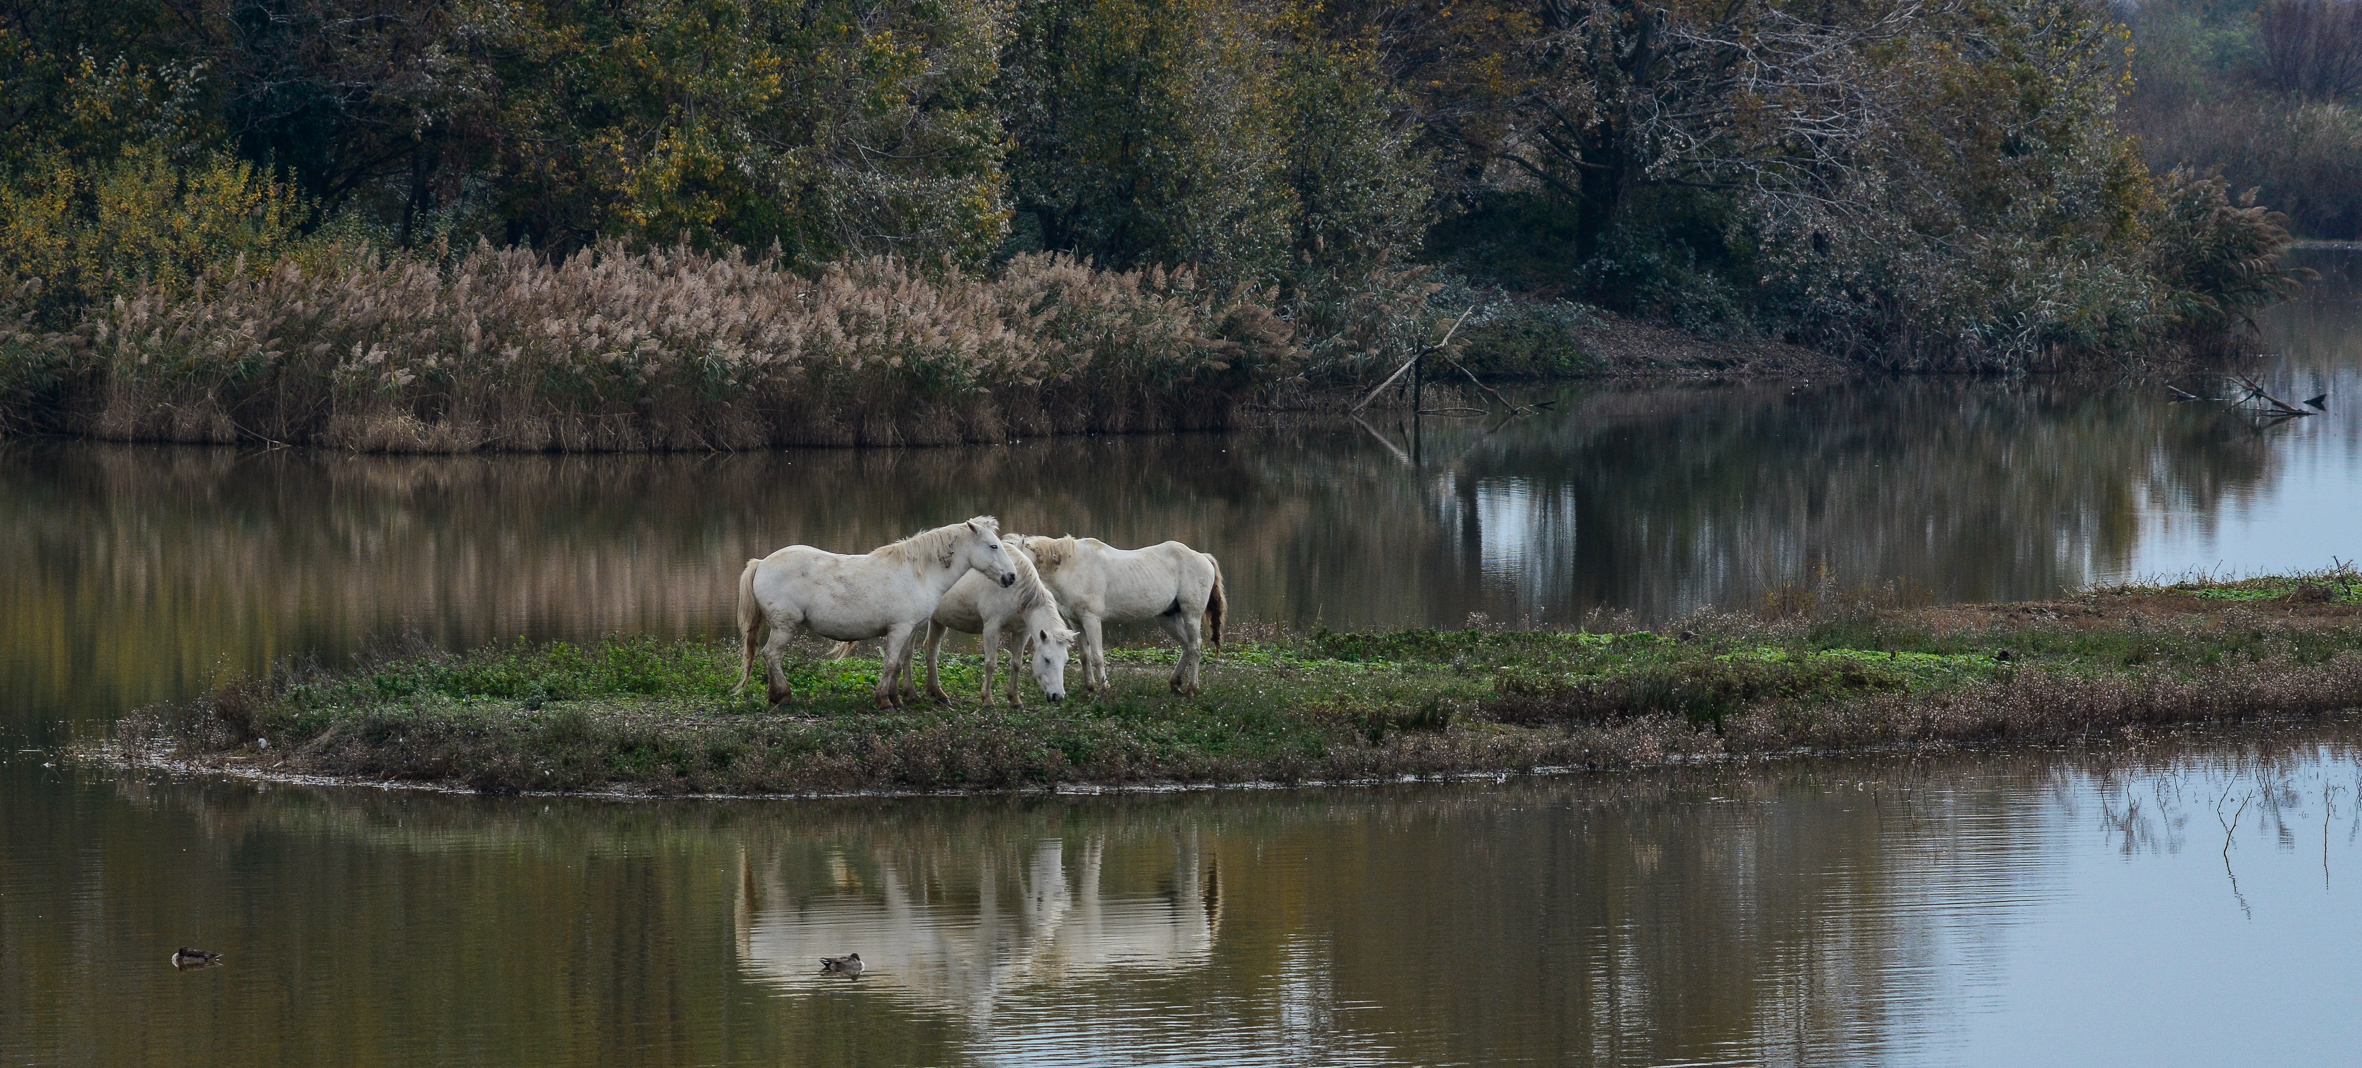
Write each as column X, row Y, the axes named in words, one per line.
column 637, row 715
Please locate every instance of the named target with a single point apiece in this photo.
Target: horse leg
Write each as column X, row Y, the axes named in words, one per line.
column 1185, row 633
column 1193, row 648
column 774, row 648
column 990, row 642
column 890, row 671
column 908, row 677
column 1094, row 656
column 936, row 632
column 1017, row 663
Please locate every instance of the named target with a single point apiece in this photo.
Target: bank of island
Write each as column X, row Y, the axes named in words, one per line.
column 636, row 715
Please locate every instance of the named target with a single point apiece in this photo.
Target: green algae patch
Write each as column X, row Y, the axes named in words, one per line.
column 637, row 714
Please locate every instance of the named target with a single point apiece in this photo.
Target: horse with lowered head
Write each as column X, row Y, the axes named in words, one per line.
column 1025, row 612
column 888, row 592
column 1171, row 583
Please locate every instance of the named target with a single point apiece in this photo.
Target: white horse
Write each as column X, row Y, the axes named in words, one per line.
column 888, row 593
column 1179, row 587
column 1026, row 611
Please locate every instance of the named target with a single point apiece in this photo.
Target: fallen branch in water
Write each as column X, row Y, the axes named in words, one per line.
column 2275, row 404
column 1413, row 362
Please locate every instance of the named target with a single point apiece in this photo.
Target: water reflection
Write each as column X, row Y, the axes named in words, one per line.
column 2098, row 909
column 957, row 938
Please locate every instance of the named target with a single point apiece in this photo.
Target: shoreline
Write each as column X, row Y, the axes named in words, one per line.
column 633, row 717
column 1608, row 348
column 110, row 756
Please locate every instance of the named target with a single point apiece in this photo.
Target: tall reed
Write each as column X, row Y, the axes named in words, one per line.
column 612, row 349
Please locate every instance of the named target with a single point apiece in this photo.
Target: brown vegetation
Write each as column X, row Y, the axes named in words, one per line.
column 2263, row 92
column 669, row 349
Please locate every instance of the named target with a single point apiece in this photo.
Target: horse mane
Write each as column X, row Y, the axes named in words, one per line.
column 937, row 545
column 1053, row 551
column 1031, row 590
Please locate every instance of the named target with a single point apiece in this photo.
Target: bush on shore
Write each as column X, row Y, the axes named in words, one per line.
column 2264, row 91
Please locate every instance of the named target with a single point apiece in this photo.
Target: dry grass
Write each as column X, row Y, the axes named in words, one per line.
column 671, row 349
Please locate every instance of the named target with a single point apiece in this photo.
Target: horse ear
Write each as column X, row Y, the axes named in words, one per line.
column 972, row 526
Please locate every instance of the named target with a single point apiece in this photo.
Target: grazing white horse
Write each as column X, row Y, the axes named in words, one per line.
column 887, row 593
column 1025, row 610
column 1179, row 587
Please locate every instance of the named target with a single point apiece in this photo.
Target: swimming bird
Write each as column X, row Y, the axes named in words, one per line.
column 184, row 957
column 849, row 964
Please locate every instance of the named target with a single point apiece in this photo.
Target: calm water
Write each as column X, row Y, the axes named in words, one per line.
column 2184, row 905
column 2189, row 902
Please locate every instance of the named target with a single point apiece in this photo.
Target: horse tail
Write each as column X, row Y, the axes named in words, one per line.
column 750, row 620
column 1216, row 603
column 843, row 650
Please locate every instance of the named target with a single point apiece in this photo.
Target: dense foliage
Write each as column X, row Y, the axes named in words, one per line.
column 1914, row 183
column 2269, row 91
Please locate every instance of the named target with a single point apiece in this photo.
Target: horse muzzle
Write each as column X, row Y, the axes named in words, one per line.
column 1057, row 697
column 1008, row 580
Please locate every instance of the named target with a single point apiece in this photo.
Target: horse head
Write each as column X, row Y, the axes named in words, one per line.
column 1051, row 641
column 984, row 551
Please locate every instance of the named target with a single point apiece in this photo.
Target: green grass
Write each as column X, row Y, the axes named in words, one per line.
column 640, row 714
column 2343, row 593
column 2340, row 585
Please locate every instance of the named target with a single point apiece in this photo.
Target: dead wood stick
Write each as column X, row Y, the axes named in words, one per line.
column 1494, row 393
column 2276, row 402
column 1413, row 361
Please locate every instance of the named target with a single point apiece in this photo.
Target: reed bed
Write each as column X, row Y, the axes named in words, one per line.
column 619, row 350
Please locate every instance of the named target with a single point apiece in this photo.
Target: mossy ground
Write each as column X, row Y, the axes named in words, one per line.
column 640, row 714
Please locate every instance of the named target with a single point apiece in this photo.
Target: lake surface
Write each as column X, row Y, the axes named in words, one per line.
column 2179, row 903
column 2166, row 901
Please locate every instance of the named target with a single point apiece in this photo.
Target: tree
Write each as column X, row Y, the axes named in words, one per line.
column 828, row 128
column 1149, row 131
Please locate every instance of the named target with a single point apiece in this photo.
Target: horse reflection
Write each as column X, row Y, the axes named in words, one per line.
column 1039, row 919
